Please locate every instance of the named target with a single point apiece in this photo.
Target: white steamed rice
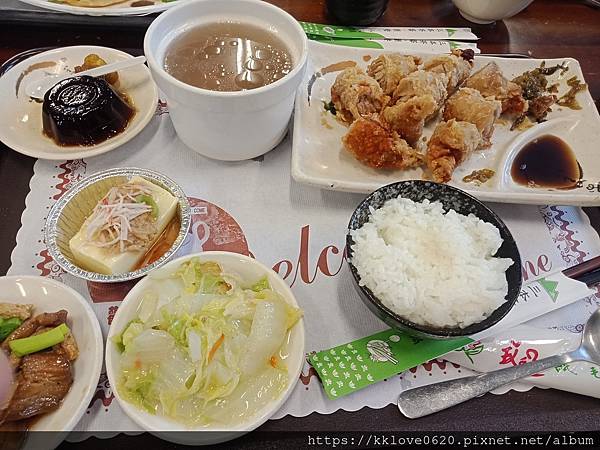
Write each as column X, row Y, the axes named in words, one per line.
column 429, row 267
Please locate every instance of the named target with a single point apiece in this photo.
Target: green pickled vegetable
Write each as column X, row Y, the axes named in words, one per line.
column 330, row 107
column 32, row 344
column 7, row 326
column 148, row 200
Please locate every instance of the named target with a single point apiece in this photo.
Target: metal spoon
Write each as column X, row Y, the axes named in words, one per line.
column 424, row 400
column 38, row 88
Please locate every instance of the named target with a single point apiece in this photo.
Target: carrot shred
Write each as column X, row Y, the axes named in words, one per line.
column 215, row 347
column 273, row 361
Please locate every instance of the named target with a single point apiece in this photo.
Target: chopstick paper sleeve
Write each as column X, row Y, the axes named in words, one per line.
column 430, row 33
column 349, row 367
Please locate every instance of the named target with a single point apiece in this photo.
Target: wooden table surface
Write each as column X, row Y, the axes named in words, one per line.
column 546, row 29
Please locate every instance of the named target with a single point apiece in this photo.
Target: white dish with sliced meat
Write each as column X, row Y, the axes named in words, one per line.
column 49, row 296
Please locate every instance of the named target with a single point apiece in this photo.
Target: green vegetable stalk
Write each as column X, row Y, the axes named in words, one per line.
column 32, row 344
column 148, row 200
column 7, row 326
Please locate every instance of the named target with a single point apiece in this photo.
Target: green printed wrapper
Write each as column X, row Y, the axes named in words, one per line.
column 359, row 43
column 339, row 32
column 406, row 45
column 349, row 367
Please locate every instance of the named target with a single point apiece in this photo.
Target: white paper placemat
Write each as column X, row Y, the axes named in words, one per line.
column 255, row 206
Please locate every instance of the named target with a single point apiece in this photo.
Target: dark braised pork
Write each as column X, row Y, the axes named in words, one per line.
column 42, row 378
column 43, row 381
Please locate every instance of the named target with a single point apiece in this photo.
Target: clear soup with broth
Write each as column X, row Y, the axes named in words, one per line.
column 228, row 56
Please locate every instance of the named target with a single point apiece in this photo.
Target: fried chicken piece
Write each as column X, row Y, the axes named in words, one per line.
column 417, row 98
column 375, row 146
column 390, row 68
column 451, row 143
column 420, row 83
column 456, row 68
column 490, row 82
column 514, row 104
column 355, row 94
column 468, row 105
column 408, row 118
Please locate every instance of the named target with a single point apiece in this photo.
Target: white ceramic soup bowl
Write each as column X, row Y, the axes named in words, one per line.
column 228, row 126
column 249, row 270
column 488, row 11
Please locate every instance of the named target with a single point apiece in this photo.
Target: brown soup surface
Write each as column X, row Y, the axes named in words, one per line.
column 228, row 56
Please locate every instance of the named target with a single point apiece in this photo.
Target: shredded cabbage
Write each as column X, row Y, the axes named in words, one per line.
column 207, row 350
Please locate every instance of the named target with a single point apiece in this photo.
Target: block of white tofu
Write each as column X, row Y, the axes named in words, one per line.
column 110, row 262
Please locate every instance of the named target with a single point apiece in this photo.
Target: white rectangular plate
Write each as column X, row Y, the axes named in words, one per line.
column 319, row 159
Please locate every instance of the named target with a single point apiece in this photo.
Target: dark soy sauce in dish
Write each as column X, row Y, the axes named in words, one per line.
column 548, row 162
column 228, row 56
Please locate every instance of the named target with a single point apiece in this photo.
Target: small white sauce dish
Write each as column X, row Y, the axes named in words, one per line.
column 228, row 126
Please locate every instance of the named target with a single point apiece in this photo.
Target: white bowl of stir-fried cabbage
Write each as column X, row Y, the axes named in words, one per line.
column 211, row 342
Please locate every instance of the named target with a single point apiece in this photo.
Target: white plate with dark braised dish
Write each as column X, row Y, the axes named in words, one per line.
column 81, row 116
column 105, row 7
column 513, row 130
column 55, row 344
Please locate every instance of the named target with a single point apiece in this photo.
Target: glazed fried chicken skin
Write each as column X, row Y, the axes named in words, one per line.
column 468, row 105
column 490, row 82
column 355, row 95
column 408, row 118
column 421, row 83
column 417, row 99
column 390, row 68
column 451, row 143
column 456, row 66
column 376, row 146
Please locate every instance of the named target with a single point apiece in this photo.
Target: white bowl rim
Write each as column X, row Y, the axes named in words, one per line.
column 158, row 68
column 97, row 337
column 133, row 412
